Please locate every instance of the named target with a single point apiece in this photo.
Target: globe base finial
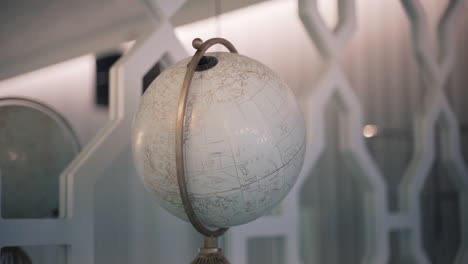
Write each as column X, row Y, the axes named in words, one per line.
column 210, row 253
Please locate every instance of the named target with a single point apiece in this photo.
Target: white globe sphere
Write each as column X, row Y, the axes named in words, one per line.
column 244, row 140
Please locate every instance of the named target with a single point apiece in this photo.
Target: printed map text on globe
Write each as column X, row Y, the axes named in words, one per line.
column 244, row 140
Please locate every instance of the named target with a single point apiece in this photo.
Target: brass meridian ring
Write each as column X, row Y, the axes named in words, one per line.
column 201, row 48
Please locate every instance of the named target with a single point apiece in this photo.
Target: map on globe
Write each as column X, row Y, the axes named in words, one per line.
column 244, row 140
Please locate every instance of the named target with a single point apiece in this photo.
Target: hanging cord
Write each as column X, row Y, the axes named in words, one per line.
column 217, row 8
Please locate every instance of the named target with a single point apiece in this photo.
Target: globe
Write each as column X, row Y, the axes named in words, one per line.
column 244, row 140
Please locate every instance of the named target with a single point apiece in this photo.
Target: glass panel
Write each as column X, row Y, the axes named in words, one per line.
column 464, row 141
column 332, row 202
column 440, row 210
column 276, row 211
column 382, row 70
column 151, row 75
column 400, row 252
column 115, row 248
column 391, row 149
column 34, row 255
column 154, row 71
column 36, row 146
column 328, row 10
column 266, row 250
column 103, row 65
column 395, row 254
column 113, row 213
column 456, row 88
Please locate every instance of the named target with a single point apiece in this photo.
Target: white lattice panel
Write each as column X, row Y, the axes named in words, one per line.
column 332, row 83
column 379, row 220
column 435, row 67
column 75, row 226
column 335, row 82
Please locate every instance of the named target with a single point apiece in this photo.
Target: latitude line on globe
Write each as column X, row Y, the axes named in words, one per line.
column 272, row 135
column 266, row 176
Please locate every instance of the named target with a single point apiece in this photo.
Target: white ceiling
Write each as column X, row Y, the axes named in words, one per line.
column 199, row 9
column 37, row 33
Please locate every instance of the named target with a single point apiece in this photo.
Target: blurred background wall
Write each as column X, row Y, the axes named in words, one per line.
column 378, row 61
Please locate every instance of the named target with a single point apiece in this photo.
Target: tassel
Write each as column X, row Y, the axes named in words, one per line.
column 210, row 254
column 211, row 259
column 14, row 255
